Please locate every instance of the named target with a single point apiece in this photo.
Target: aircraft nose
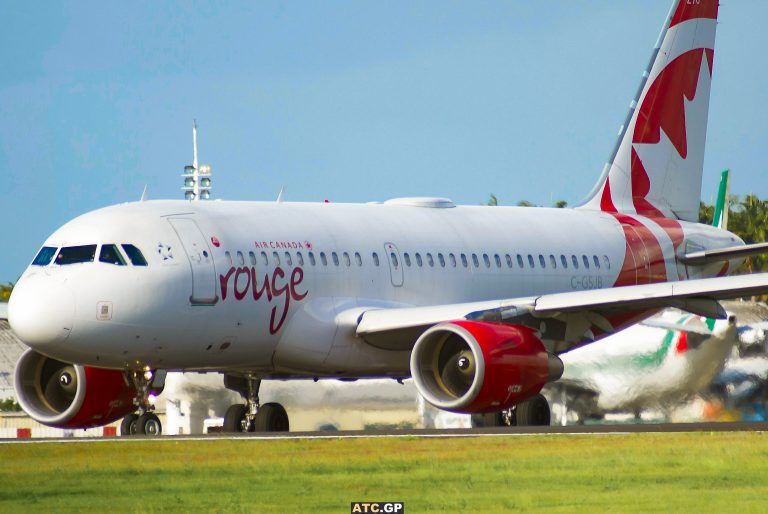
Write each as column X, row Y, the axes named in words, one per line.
column 41, row 310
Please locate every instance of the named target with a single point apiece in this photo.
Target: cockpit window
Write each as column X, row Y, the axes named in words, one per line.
column 111, row 255
column 135, row 255
column 44, row 256
column 76, row 254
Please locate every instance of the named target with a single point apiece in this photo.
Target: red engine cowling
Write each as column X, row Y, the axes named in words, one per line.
column 473, row 367
column 64, row 395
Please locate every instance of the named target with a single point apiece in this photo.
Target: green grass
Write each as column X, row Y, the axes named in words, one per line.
column 699, row 472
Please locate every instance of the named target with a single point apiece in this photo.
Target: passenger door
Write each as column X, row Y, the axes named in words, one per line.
column 200, row 261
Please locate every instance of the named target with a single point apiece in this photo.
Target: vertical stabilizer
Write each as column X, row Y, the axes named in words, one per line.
column 656, row 166
column 720, row 219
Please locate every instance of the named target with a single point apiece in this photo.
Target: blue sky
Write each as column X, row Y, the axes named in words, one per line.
column 341, row 100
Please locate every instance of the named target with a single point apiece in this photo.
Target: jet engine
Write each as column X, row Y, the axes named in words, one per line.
column 64, row 395
column 475, row 367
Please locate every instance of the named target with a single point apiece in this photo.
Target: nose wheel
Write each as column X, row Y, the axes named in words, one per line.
column 252, row 416
column 128, row 425
column 148, row 424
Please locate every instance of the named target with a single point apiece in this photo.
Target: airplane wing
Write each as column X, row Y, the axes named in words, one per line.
column 569, row 319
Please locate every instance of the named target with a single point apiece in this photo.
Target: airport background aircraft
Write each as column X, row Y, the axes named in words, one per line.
column 474, row 303
column 657, row 364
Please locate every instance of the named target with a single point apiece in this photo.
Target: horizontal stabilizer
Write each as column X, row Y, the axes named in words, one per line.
column 723, row 254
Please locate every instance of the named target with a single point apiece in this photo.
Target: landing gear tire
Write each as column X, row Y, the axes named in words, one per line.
column 234, row 419
column 128, row 425
column 533, row 412
column 494, row 419
column 148, row 424
column 271, row 417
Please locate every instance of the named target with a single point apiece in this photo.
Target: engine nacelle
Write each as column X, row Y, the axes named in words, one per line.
column 473, row 367
column 64, row 395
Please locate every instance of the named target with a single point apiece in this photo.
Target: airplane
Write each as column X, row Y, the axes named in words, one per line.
column 475, row 303
column 655, row 364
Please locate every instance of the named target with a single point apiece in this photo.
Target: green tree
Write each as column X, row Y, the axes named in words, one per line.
column 750, row 222
column 9, row 405
column 748, row 219
column 5, row 291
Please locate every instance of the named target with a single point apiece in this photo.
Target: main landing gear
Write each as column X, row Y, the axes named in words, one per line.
column 532, row 412
column 148, row 384
column 252, row 416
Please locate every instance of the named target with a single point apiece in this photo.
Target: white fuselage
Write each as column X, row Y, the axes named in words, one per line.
column 202, row 301
column 645, row 366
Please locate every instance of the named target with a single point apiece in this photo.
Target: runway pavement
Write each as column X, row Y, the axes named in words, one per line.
column 435, row 433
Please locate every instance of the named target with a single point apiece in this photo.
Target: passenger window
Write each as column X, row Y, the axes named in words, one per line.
column 418, row 259
column 464, row 260
column 44, row 256
column 276, row 257
column 323, row 259
column 288, row 259
column 530, row 261
column 475, row 261
column 585, row 260
column 300, row 258
column 452, row 258
column 430, row 261
column 358, row 259
column 111, row 255
column 76, row 254
column 311, row 256
column 542, row 262
column 486, row 260
column 520, row 263
column 606, row 262
column 441, row 259
column 335, row 258
column 347, row 261
column 264, row 258
column 508, row 258
column 252, row 258
column 228, row 257
column 575, row 262
column 407, row 259
column 375, row 259
column 553, row 261
column 240, row 258
column 564, row 261
column 394, row 259
column 596, row 261
column 497, row 259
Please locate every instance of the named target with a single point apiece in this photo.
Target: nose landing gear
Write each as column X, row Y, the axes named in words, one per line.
column 148, row 385
column 252, row 416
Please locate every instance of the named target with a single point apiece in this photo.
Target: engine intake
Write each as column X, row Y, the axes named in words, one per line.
column 473, row 367
column 64, row 395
